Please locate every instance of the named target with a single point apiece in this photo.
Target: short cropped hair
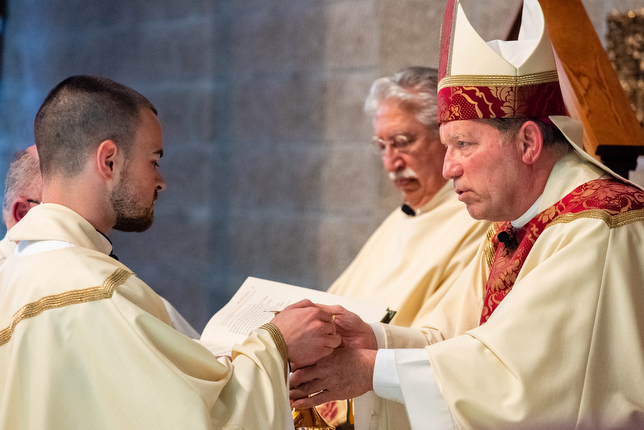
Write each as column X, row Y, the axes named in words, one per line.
column 80, row 113
column 23, row 180
column 552, row 137
column 414, row 88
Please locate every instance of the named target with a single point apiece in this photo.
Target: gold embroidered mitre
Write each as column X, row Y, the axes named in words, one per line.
column 497, row 79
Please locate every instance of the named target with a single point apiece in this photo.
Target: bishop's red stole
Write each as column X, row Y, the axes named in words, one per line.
column 605, row 199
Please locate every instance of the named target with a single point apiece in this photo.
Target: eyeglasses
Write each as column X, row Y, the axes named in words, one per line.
column 36, row 202
column 399, row 142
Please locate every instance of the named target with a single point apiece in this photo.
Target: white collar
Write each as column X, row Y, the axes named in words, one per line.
column 528, row 215
column 29, row 247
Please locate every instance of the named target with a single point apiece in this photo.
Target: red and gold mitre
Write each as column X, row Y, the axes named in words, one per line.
column 497, row 79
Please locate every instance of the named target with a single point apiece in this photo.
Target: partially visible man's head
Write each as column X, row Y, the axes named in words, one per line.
column 406, row 132
column 78, row 115
column 23, row 186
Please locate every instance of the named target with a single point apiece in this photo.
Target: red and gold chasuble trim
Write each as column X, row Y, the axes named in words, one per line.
column 613, row 202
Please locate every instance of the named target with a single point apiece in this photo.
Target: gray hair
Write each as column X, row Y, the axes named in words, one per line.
column 23, row 179
column 414, row 88
column 553, row 138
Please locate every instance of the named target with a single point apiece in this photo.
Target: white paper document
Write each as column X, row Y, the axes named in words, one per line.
column 252, row 304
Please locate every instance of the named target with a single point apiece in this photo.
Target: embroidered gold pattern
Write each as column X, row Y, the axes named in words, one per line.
column 280, row 343
column 612, row 221
column 490, row 248
column 67, row 298
column 498, row 81
column 607, row 200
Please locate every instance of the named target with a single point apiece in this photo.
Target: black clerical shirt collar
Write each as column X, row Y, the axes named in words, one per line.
column 111, row 246
column 408, row 210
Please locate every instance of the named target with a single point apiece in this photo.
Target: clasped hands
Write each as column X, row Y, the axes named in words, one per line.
column 331, row 351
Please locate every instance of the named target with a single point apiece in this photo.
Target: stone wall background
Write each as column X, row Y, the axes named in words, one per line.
column 267, row 161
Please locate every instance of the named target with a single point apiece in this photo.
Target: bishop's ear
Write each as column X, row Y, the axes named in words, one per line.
column 532, row 142
column 106, row 159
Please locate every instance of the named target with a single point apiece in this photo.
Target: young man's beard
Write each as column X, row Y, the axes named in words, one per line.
column 135, row 224
column 130, row 217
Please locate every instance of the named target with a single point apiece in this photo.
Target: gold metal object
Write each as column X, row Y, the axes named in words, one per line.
column 310, row 419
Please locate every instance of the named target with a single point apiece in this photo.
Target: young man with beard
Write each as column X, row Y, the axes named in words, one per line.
column 83, row 342
column 23, row 191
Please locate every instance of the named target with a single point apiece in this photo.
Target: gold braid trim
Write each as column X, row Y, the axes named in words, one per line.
column 67, row 298
column 490, row 250
column 280, row 343
column 498, row 80
column 612, row 221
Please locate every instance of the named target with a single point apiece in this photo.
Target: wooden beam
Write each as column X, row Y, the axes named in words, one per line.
column 595, row 96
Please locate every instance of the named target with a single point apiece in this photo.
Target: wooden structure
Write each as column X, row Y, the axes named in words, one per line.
column 591, row 88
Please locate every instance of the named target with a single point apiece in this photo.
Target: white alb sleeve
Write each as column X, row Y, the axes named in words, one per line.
column 385, row 376
column 406, row 376
column 426, row 407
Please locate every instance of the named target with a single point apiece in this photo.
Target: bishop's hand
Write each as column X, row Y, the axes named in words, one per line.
column 355, row 332
column 344, row 374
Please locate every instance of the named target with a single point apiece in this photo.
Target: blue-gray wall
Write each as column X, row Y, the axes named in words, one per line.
column 267, row 163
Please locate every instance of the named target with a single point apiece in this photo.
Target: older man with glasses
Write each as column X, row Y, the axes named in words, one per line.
column 417, row 253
